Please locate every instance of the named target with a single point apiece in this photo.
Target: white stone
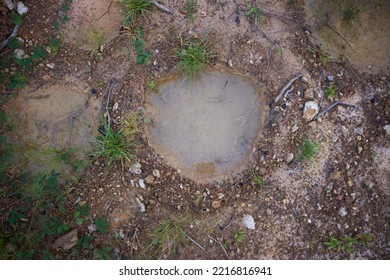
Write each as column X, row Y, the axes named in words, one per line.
column 387, row 129
column 136, row 168
column 310, row 110
column 50, row 65
column 248, row 221
column 19, row 53
column 141, row 183
column 21, row 8
column 156, row 173
column 342, row 212
column 290, row 157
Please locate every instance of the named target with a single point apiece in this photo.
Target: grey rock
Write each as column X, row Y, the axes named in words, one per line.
column 294, row 128
column 149, row 179
column 19, row 53
column 329, row 78
column 342, row 212
column 50, row 65
column 156, row 173
column 387, row 129
column 248, row 221
column 290, row 157
column 141, row 184
column 136, row 168
column 310, row 110
column 141, row 205
column 358, row 131
column 21, row 8
column 230, row 63
column 66, row 241
column 92, row 228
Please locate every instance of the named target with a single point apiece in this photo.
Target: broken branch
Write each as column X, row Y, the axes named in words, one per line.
column 196, row 243
column 162, row 7
column 277, row 98
column 220, row 244
column 332, row 106
column 13, row 34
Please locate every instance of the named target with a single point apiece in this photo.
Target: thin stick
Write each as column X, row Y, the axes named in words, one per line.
column 338, row 33
column 196, row 243
column 109, row 91
column 332, row 106
column 220, row 244
column 162, row 7
column 277, row 98
column 13, row 34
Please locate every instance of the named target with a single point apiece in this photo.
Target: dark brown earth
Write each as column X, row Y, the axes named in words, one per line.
column 298, row 207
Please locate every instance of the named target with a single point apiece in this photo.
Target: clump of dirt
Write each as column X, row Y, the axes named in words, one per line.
column 352, row 30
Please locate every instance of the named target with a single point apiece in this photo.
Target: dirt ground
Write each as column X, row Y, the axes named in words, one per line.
column 343, row 192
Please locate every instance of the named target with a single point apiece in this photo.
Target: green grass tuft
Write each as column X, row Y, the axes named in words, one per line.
column 308, row 150
column 193, row 59
column 134, row 9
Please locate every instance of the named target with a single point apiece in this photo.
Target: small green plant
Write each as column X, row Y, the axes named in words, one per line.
column 113, row 145
column 130, row 127
column 103, row 253
column 101, row 224
column 138, row 42
column 17, row 80
column 152, row 85
column 330, row 91
column 53, row 46
column 257, row 180
column 239, row 236
column 81, row 212
column 193, row 59
column 85, row 242
column 198, row 198
column 350, row 13
column 348, row 243
column 134, row 9
column 254, row 14
column 190, row 8
column 309, row 149
column 95, row 38
column 16, row 18
column 324, row 59
column 168, row 235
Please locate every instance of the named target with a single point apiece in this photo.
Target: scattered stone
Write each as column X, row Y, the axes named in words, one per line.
column 136, row 168
column 358, row 131
column 66, row 241
column 19, row 53
column 294, row 128
column 248, row 221
column 141, row 205
column 342, row 212
column 221, row 195
column 149, row 179
column 92, row 228
column 141, row 184
column 387, row 129
column 359, row 150
column 306, row 78
column 46, row 78
column 156, row 173
column 310, row 110
column 309, row 93
column 50, row 65
column 329, row 78
column 216, row 204
column 115, row 107
column 230, row 63
column 21, row 8
column 290, row 157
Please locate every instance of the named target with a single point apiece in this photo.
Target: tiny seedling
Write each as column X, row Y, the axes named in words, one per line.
column 168, row 235
column 152, row 85
column 95, row 38
column 309, row 149
column 239, row 236
column 324, row 59
column 101, row 224
column 138, row 42
column 348, row 243
column 80, row 214
column 257, row 180
column 133, row 9
column 103, row 253
column 254, row 14
column 53, row 46
column 17, row 80
column 330, row 91
column 350, row 14
column 194, row 57
column 190, row 8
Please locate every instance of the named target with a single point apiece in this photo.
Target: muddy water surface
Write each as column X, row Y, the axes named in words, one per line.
column 205, row 128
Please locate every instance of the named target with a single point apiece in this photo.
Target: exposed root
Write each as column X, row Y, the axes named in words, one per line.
column 332, row 106
column 162, row 7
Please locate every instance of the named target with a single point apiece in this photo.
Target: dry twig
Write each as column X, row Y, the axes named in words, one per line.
column 281, row 93
column 162, row 7
column 332, row 106
column 220, row 244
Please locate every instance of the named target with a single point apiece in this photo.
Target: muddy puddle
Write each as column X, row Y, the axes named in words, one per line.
column 205, row 128
column 355, row 30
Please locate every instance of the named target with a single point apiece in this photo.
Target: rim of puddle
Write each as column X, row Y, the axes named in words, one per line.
column 173, row 162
